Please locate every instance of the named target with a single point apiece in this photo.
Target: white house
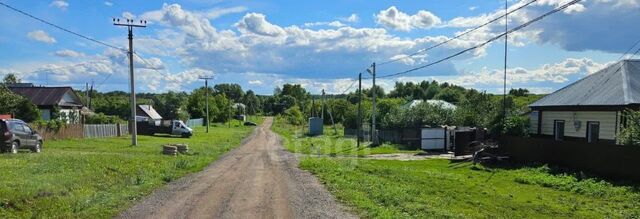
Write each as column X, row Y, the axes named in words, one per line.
column 48, row 98
column 591, row 109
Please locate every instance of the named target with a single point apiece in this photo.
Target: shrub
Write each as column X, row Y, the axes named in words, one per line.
column 630, row 133
column 101, row 118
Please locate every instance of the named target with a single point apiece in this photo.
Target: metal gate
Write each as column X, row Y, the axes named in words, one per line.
column 433, row 139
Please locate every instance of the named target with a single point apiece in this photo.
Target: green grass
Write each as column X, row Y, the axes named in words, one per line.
column 98, row 178
column 330, row 143
column 441, row 189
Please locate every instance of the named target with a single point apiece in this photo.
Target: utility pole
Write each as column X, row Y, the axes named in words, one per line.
column 374, row 136
column 130, row 24
column 206, row 87
column 504, row 88
column 322, row 108
column 359, row 122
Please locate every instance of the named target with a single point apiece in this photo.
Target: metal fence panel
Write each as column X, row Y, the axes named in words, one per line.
column 105, row 130
column 195, row 122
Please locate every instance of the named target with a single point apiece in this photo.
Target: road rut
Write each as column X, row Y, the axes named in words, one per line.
column 257, row 180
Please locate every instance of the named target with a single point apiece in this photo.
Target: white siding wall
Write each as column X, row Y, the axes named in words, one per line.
column 607, row 121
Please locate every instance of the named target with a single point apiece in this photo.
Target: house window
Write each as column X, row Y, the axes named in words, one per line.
column 593, row 132
column 558, row 130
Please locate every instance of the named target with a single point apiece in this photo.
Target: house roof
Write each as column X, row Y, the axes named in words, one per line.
column 48, row 96
column 150, row 112
column 442, row 103
column 616, row 85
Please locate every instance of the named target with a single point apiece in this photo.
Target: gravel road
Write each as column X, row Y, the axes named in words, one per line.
column 257, row 180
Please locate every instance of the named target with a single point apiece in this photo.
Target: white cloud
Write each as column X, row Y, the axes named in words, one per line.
column 394, row 19
column 128, row 15
column 219, row 12
column 473, row 8
column 331, row 24
column 41, row 36
column 553, row 73
column 255, row 82
column 63, row 5
column 258, row 24
column 353, row 18
column 109, row 4
column 68, row 53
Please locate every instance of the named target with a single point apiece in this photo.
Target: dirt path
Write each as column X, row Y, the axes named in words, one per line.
column 257, row 180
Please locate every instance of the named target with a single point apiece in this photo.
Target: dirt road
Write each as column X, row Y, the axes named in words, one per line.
column 257, row 180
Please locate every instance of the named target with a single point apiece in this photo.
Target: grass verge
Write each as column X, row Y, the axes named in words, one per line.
column 439, row 188
column 331, row 143
column 98, row 178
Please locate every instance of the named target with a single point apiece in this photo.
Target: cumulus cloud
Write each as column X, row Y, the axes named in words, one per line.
column 109, row 4
column 394, row 19
column 554, row 73
column 258, row 24
column 331, row 24
column 255, row 82
column 68, row 53
column 41, row 36
column 63, row 5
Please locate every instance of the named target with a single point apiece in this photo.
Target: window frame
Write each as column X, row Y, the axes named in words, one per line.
column 589, row 123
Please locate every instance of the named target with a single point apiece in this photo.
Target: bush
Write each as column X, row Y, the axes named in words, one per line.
column 630, row 133
column 101, row 118
column 516, row 126
column 294, row 116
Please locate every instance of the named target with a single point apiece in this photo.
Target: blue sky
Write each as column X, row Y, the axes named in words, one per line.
column 319, row 44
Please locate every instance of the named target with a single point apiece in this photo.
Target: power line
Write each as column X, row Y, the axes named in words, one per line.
column 457, row 36
column 486, row 42
column 59, row 27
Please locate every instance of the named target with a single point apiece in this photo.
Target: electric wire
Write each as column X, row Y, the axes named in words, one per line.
column 457, row 36
column 560, row 8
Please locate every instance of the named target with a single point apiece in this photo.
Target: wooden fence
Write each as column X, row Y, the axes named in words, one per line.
column 65, row 132
column 606, row 159
column 83, row 131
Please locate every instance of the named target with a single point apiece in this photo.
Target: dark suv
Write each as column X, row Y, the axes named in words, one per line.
column 16, row 134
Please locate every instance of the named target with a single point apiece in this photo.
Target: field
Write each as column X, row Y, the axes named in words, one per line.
column 97, row 178
column 440, row 189
column 330, row 144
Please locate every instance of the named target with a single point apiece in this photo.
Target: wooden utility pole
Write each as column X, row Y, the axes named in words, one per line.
column 374, row 136
column 206, row 87
column 359, row 122
column 130, row 24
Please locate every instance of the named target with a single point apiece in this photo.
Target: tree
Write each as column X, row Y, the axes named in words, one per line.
column 251, row 101
column 449, row 94
column 11, row 79
column 231, row 91
column 519, row 92
column 369, row 92
column 296, row 91
column 170, row 105
column 294, row 116
column 18, row 106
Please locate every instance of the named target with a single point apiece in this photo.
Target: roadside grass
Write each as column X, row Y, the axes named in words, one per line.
column 441, row 188
column 330, row 144
column 98, row 178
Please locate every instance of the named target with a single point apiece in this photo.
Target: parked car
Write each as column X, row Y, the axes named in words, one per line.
column 16, row 134
column 172, row 127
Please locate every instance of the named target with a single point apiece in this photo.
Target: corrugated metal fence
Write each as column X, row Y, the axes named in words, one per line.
column 195, row 122
column 105, row 130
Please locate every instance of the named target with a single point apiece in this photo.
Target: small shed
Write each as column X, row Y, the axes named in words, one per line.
column 315, row 126
column 148, row 111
